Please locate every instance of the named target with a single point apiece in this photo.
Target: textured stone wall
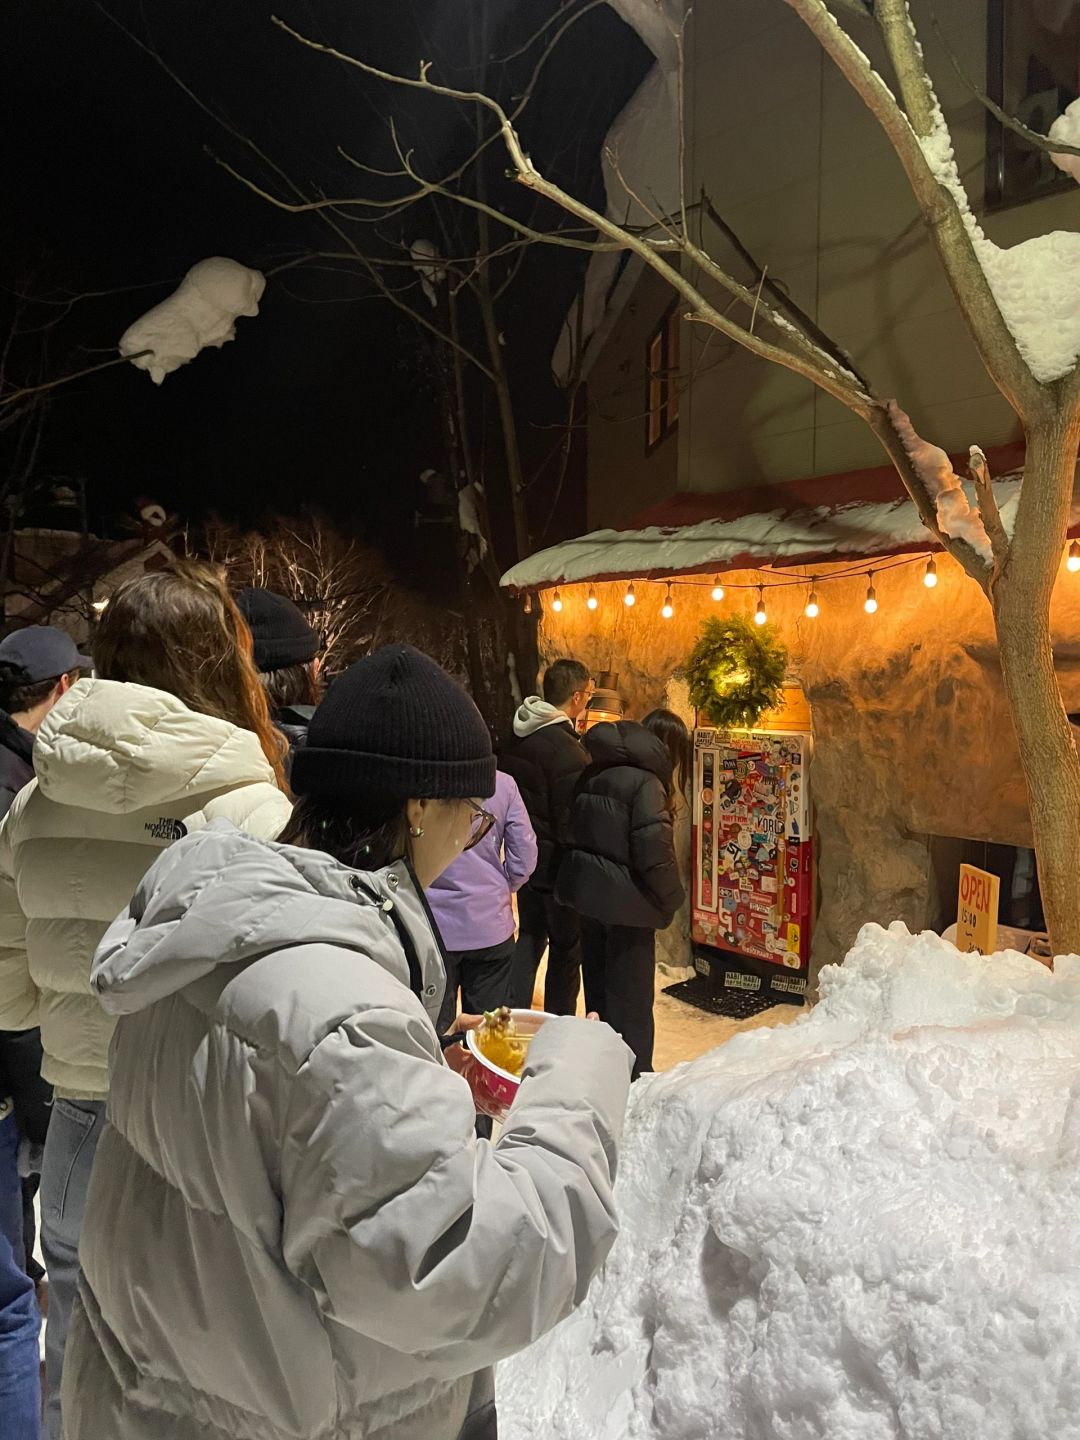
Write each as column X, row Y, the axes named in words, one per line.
column 912, row 735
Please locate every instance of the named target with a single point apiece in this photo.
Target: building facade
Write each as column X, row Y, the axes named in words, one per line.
column 915, row 759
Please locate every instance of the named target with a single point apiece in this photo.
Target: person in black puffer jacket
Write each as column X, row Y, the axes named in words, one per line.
column 621, row 875
column 286, row 651
column 545, row 759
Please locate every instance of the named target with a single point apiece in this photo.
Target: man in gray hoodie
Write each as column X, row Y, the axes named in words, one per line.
column 546, row 758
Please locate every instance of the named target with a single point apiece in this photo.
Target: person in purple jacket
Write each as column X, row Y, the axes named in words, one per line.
column 473, row 909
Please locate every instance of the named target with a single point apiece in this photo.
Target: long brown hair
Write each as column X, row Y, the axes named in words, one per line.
column 178, row 630
column 675, row 737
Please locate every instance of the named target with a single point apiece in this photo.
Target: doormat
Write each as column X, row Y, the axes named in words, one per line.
column 702, row 994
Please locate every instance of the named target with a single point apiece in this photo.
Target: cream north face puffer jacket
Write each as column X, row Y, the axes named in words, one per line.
column 122, row 771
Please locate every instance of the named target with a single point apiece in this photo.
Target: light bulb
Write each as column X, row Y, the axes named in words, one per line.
column 930, row 578
column 592, row 601
column 669, row 609
column 527, row 607
column 1073, row 562
column 870, row 603
column 813, row 610
column 630, row 598
column 759, row 614
column 717, row 589
column 556, row 603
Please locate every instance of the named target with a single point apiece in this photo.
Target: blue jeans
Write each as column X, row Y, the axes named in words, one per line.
column 20, row 1374
column 74, row 1130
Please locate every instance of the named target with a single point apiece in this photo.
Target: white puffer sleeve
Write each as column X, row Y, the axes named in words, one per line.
column 259, row 809
column 419, row 1236
column 18, row 993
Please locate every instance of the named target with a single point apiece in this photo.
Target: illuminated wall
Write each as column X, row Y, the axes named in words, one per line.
column 912, row 732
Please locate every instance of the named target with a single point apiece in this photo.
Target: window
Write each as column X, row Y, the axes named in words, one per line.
column 1033, row 73
column 662, row 380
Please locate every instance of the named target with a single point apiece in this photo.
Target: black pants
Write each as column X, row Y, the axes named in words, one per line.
column 543, row 922
column 619, row 964
column 484, row 978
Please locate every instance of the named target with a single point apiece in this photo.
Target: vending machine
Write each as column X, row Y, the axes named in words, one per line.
column 753, row 893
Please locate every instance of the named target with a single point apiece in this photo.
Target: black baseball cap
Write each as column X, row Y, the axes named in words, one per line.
column 43, row 653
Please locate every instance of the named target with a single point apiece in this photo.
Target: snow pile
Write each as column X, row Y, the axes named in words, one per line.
column 1036, row 284
column 1066, row 131
column 955, row 515
column 201, row 312
column 856, row 1227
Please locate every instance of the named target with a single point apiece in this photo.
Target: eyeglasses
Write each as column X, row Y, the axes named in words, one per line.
column 481, row 822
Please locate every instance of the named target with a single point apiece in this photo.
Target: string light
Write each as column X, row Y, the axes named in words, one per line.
column 1073, row 562
column 811, row 610
column 527, row 607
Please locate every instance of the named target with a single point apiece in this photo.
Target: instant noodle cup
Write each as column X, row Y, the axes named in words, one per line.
column 494, row 1089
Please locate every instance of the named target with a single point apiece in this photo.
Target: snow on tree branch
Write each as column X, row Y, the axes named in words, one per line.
column 956, row 517
column 1066, row 131
column 201, row 312
column 1036, row 284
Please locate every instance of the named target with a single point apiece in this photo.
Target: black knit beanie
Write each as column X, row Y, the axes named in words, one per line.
column 282, row 636
column 395, row 727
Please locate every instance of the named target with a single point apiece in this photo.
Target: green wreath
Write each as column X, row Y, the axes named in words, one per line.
column 736, row 672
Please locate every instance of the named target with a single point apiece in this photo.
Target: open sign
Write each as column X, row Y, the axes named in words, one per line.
column 977, row 911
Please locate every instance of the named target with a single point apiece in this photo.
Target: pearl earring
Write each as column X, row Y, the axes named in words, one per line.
column 416, row 831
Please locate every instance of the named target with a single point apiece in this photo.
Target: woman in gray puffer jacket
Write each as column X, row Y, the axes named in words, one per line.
column 292, row 1231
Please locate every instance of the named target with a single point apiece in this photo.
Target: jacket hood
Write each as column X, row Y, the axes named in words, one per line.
column 118, row 748
column 534, row 714
column 625, row 742
column 220, row 897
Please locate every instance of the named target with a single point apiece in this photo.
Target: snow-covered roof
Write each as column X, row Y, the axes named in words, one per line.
column 835, row 518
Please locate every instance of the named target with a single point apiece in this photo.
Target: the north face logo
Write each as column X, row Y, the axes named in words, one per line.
column 165, row 829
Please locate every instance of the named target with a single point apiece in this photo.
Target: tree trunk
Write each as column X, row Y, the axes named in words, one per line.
column 515, row 476
column 1021, row 601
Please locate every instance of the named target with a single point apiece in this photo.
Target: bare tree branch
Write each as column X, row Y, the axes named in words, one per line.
column 806, row 358
column 13, row 395
column 782, row 299
column 979, row 470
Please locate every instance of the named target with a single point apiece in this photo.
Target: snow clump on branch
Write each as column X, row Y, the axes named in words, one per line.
column 200, row 313
column 1036, row 284
column 1066, row 130
column 957, row 517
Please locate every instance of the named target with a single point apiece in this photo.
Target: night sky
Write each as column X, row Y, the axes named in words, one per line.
column 320, row 400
